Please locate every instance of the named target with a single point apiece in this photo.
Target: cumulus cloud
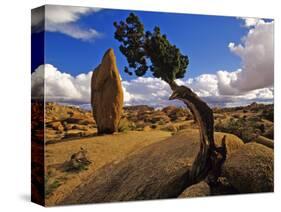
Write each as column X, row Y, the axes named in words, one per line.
column 65, row 88
column 146, row 90
column 208, row 86
column 60, row 87
column 253, row 82
column 225, row 80
column 37, row 83
column 204, row 85
column 257, row 56
column 249, row 22
column 155, row 92
column 63, row 19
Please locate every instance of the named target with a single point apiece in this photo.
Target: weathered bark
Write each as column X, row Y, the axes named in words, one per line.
column 209, row 159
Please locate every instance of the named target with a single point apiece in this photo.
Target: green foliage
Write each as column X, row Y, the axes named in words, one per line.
column 268, row 114
column 170, row 128
column 153, row 126
column 78, row 162
column 161, row 122
column 247, row 130
column 76, row 166
column 149, row 51
column 51, row 186
column 126, row 125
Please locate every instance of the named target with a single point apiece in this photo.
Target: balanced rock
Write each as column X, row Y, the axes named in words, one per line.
column 250, row 168
column 107, row 94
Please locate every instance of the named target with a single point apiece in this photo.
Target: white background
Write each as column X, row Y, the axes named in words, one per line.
column 15, row 104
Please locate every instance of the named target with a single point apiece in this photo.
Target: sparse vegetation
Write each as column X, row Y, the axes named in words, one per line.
column 126, row 125
column 140, row 131
column 101, row 150
column 161, row 122
column 268, row 115
column 76, row 167
column 246, row 130
column 240, row 121
column 78, row 162
column 51, row 187
column 170, row 128
column 246, row 122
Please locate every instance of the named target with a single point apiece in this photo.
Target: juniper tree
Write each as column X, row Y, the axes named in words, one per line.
column 152, row 51
column 149, row 51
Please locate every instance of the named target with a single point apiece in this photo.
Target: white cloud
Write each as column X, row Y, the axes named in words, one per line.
column 207, row 86
column 65, row 88
column 74, row 31
column 250, row 22
column 37, row 83
column 253, row 82
column 59, row 86
column 66, row 14
column 204, row 85
column 155, row 92
column 146, row 91
column 257, row 56
column 63, row 19
column 225, row 79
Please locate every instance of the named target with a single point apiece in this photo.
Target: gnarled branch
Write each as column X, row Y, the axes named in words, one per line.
column 209, row 159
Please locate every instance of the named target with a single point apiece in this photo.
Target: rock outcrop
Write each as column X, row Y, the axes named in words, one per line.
column 107, row 94
column 232, row 142
column 200, row 189
column 157, row 171
column 264, row 141
column 250, row 168
column 67, row 122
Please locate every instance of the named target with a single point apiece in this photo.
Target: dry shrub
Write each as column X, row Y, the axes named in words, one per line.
column 126, row 125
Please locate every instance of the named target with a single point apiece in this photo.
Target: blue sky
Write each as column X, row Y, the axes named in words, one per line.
column 225, row 54
column 203, row 38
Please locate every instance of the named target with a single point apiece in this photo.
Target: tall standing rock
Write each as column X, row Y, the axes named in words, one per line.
column 107, row 94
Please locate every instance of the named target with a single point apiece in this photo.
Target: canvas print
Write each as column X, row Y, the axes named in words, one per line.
column 140, row 105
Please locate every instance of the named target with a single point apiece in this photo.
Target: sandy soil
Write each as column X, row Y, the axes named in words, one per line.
column 101, row 150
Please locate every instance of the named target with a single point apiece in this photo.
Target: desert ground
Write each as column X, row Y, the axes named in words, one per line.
column 101, row 150
column 143, row 131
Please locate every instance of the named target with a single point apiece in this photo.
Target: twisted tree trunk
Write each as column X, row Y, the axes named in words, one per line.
column 210, row 158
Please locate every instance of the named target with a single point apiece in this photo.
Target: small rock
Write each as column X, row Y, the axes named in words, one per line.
column 264, row 141
column 72, row 120
column 57, row 126
column 200, row 189
column 73, row 134
column 146, row 128
column 170, row 127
